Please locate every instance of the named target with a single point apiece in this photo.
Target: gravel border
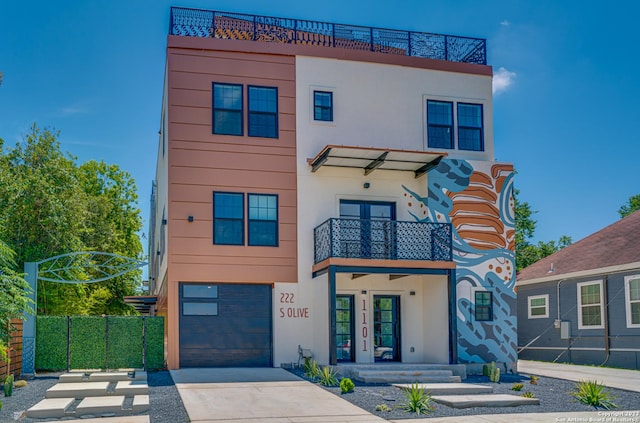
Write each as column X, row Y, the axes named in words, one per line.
column 165, row 404
column 553, row 394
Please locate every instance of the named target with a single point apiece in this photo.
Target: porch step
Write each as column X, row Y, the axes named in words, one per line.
column 89, row 376
column 449, row 388
column 491, row 400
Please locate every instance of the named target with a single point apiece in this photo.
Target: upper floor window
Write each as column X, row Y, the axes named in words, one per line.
column 228, row 218
column 263, row 112
column 323, row 106
column 470, row 131
column 227, row 109
column 632, row 299
column 440, row 124
column 483, row 306
column 538, row 306
column 590, row 305
column 263, row 220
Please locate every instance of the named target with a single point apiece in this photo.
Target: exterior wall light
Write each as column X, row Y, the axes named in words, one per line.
column 366, row 185
column 190, row 218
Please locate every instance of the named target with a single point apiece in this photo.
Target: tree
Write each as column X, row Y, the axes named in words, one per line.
column 49, row 206
column 632, row 205
column 14, row 297
column 526, row 252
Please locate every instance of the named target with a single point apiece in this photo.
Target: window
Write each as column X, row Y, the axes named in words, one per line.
column 200, row 291
column 263, row 220
column 483, row 306
column 470, row 135
column 590, row 305
column 323, row 106
column 227, row 109
column 263, row 112
column 440, row 124
column 199, row 309
column 228, row 220
column 538, row 306
column 632, row 297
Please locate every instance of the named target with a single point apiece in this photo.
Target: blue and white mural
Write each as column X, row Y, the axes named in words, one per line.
column 477, row 199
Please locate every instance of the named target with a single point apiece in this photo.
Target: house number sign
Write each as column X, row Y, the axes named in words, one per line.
column 288, row 308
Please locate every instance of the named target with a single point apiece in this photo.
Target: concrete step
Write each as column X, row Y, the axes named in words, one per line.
column 491, row 400
column 108, row 406
column 394, row 378
column 81, row 390
column 348, row 370
column 450, row 388
column 81, row 376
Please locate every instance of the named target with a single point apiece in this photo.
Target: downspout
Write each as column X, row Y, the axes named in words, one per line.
column 557, row 322
column 605, row 313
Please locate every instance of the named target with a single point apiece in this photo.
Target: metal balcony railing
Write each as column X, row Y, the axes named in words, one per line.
column 382, row 240
column 238, row 26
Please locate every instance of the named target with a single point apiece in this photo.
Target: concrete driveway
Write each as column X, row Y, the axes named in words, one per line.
column 613, row 378
column 268, row 395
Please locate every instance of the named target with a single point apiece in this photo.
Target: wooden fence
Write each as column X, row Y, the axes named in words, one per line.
column 15, row 352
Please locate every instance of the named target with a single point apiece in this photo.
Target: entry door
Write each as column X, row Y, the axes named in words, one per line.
column 345, row 342
column 386, row 327
column 368, row 232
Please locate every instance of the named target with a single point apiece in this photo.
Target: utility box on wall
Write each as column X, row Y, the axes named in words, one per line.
column 565, row 330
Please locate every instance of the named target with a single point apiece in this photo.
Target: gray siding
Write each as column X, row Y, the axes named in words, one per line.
column 586, row 346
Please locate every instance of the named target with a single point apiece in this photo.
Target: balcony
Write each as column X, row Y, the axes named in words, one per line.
column 238, row 26
column 382, row 240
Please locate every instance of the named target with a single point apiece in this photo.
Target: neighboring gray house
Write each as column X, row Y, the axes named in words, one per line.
column 597, row 318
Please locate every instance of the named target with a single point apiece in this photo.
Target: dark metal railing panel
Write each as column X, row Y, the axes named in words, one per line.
column 382, row 240
column 239, row 26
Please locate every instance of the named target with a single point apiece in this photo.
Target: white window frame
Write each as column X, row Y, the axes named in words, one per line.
column 627, row 299
column 580, row 305
column 546, row 306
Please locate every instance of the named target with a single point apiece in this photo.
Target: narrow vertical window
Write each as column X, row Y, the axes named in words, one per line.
column 483, row 306
column 590, row 305
column 227, row 109
column 470, row 130
column 263, row 112
column 323, row 106
column 263, row 220
column 440, row 124
column 228, row 218
column 632, row 296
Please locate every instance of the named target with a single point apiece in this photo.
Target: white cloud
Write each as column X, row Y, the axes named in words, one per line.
column 502, row 80
column 505, row 23
column 73, row 110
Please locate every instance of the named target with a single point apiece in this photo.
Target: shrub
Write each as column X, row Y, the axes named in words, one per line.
column 346, row 385
column 517, row 387
column 527, row 395
column 8, row 386
column 328, row 376
column 311, row 369
column 383, row 407
column 417, row 400
column 534, row 380
column 590, row 392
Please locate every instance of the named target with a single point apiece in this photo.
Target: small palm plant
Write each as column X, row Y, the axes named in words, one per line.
column 311, row 369
column 417, row 400
column 592, row 393
column 328, row 376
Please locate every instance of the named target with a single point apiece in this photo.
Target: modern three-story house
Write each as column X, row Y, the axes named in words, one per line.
column 329, row 187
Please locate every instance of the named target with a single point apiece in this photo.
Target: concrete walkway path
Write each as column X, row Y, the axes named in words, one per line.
column 613, row 378
column 260, row 395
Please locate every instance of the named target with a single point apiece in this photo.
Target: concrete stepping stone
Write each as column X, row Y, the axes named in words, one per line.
column 50, row 408
column 449, row 388
column 73, row 377
column 77, row 390
column 140, row 404
column 109, row 376
column 100, row 405
column 131, row 387
column 492, row 400
column 119, row 419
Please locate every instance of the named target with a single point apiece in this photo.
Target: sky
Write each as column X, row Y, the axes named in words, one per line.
column 566, row 86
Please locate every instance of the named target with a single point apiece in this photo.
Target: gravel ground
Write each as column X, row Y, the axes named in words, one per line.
column 553, row 394
column 164, row 400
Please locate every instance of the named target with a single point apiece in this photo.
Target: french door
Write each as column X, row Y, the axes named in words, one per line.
column 386, row 327
column 367, row 229
column 345, row 342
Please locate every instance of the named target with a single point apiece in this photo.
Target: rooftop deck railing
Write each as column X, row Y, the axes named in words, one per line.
column 238, row 26
column 382, row 240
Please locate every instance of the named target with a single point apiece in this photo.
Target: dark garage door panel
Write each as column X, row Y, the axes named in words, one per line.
column 240, row 335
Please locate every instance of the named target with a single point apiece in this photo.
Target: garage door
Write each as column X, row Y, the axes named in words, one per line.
column 225, row 325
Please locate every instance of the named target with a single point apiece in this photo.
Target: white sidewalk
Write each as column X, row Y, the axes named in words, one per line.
column 613, row 378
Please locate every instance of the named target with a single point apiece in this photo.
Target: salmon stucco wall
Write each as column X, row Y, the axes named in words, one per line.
column 476, row 197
